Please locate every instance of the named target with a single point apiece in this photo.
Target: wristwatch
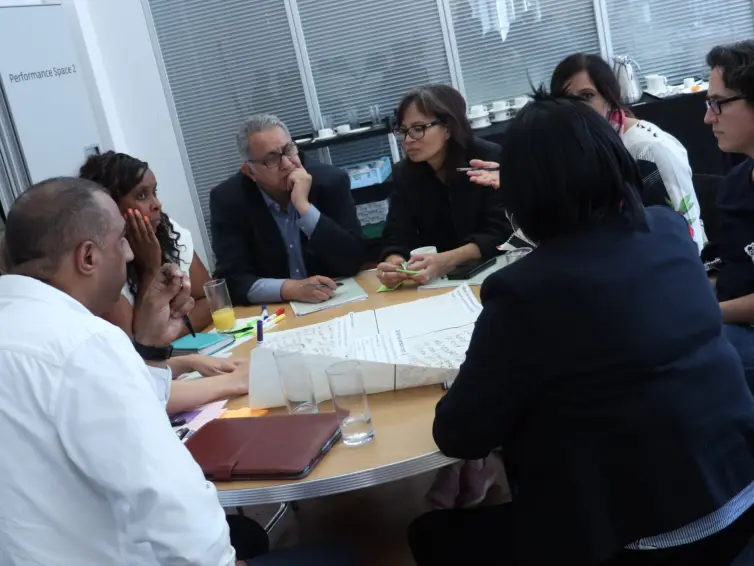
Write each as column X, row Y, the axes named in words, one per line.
column 153, row 353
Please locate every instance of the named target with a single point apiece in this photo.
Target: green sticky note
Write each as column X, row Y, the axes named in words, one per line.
column 383, row 288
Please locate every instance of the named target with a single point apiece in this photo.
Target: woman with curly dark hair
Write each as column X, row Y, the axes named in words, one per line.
column 155, row 240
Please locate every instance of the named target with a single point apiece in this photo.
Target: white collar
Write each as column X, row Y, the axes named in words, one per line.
column 20, row 286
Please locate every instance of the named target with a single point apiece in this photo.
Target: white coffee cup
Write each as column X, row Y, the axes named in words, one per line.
column 500, row 105
column 343, row 129
column 325, row 133
column 478, row 110
column 657, row 83
column 520, row 101
column 426, row 250
column 689, row 82
column 501, row 115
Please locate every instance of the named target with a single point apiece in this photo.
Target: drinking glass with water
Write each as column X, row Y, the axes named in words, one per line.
column 350, row 401
column 295, row 379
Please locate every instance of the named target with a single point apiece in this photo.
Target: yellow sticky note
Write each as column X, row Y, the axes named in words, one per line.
column 243, row 413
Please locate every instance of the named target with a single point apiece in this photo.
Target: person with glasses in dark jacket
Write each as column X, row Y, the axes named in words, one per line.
column 282, row 231
column 434, row 204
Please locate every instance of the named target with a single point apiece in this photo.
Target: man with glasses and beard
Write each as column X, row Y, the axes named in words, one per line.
column 281, row 232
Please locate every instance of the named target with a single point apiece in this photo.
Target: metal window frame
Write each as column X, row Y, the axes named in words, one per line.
column 451, row 47
column 154, row 40
column 603, row 29
column 305, row 70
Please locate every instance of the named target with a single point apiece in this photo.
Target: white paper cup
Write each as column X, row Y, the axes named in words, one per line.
column 426, row 250
column 343, row 129
column 689, row 82
column 325, row 133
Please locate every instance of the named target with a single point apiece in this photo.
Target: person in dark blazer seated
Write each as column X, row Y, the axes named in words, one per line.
column 281, row 231
column 432, row 203
column 624, row 419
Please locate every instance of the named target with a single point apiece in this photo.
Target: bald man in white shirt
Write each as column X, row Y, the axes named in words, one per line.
column 91, row 473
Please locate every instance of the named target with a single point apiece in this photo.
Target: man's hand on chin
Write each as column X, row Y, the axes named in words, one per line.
column 299, row 184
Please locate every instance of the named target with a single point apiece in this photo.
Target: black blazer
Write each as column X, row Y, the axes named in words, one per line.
column 247, row 242
column 598, row 365
column 425, row 212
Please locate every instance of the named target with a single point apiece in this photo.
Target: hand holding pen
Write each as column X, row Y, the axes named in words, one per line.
column 485, row 173
column 159, row 312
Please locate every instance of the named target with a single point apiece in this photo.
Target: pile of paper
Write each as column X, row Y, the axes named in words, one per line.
column 409, row 345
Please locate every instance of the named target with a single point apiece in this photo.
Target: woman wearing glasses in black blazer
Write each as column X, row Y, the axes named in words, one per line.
column 432, row 203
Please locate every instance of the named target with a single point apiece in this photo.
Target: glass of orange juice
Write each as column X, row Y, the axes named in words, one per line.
column 220, row 306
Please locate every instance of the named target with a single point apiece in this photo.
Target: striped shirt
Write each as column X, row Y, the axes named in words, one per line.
column 701, row 528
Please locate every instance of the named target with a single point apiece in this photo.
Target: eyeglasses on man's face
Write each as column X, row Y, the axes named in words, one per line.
column 273, row 160
column 716, row 104
column 415, row 132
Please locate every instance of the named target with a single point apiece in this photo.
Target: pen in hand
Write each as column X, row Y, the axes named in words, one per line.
column 186, row 319
column 467, row 169
column 322, row 285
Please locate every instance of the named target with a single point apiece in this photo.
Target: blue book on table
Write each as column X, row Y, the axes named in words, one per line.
column 204, row 344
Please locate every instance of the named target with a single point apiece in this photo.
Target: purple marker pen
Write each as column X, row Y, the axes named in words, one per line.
column 260, row 331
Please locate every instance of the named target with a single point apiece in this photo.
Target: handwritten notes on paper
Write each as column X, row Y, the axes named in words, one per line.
column 445, row 349
column 409, row 345
column 386, row 348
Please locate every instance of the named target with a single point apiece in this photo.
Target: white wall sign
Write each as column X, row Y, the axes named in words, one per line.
column 46, row 91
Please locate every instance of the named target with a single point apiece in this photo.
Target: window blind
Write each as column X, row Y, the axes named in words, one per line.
column 226, row 60
column 365, row 52
column 503, row 44
column 672, row 37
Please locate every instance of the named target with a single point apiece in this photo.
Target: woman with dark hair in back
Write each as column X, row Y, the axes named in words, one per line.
column 662, row 158
column 624, row 420
column 435, row 205
column 432, row 203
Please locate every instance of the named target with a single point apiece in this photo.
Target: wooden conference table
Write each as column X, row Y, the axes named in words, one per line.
column 403, row 444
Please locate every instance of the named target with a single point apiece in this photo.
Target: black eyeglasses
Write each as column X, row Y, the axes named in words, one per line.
column 716, row 104
column 415, row 132
column 273, row 159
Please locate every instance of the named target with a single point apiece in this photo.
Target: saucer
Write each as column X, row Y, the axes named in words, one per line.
column 495, row 119
column 478, row 116
column 303, row 140
column 331, row 136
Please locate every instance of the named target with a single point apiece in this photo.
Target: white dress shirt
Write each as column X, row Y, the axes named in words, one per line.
column 91, row 472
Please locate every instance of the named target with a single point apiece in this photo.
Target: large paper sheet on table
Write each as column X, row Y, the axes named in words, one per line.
column 451, row 310
column 395, row 353
column 348, row 292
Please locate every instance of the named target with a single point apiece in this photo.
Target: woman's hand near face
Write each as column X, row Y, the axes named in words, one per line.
column 143, row 242
column 486, row 178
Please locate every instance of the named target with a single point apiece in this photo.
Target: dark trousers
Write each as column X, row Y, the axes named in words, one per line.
column 307, row 555
column 486, row 534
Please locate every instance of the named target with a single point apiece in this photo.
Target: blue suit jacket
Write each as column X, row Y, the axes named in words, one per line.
column 599, row 366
